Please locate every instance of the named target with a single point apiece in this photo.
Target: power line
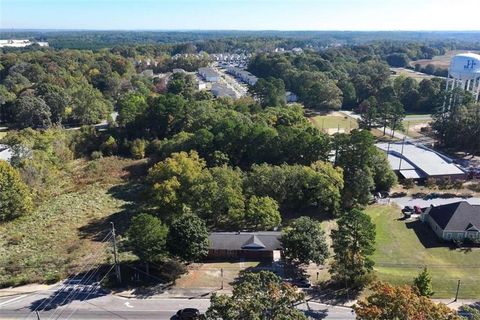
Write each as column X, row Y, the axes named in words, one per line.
column 91, row 290
column 81, row 280
column 64, row 285
column 77, row 290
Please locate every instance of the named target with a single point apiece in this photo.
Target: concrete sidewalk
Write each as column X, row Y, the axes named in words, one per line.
column 26, row 289
column 171, row 293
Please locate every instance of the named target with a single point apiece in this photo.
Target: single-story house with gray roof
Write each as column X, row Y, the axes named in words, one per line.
column 264, row 245
column 454, row 221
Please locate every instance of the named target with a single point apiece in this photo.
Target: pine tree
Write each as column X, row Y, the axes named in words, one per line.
column 423, row 282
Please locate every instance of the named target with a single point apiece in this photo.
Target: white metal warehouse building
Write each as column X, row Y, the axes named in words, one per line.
column 418, row 162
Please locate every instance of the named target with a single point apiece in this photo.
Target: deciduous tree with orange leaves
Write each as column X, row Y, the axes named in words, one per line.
column 401, row 303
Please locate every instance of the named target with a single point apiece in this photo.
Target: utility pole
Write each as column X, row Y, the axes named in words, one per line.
column 458, row 289
column 117, row 265
column 38, row 316
column 221, row 271
column 401, row 153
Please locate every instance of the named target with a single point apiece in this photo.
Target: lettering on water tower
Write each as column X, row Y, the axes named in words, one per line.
column 470, row 64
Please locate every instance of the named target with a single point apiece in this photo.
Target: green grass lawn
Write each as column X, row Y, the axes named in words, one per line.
column 404, row 248
column 334, row 122
column 410, row 73
column 410, row 125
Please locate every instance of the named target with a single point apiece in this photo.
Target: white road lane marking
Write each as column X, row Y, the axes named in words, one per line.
column 13, row 299
column 128, row 305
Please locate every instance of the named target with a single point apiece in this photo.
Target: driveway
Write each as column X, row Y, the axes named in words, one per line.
column 409, row 201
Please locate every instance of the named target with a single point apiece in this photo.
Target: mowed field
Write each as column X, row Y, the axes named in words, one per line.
column 419, row 76
column 404, row 248
column 440, row 61
column 334, row 123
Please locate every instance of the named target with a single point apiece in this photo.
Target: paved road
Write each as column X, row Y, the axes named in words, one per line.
column 419, row 117
column 109, row 306
column 409, row 201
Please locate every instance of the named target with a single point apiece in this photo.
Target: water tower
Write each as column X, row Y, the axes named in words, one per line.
column 464, row 72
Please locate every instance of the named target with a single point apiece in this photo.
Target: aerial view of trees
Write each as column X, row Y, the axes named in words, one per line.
column 304, row 242
column 260, row 295
column 400, row 302
column 456, row 125
column 196, row 164
column 353, row 245
column 14, row 194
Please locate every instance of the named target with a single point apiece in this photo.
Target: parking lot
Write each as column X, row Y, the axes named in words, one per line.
column 409, row 201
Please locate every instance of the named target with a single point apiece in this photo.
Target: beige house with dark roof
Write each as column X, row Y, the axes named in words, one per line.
column 454, row 221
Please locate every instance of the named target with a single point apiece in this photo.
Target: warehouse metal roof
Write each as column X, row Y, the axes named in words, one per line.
column 416, row 161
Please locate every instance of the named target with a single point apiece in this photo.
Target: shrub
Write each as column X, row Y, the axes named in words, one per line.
column 447, row 195
column 457, row 184
column 153, row 148
column 475, row 187
column 96, row 155
column 431, row 183
column 398, row 194
column 445, row 183
column 419, row 195
column 15, row 199
column 137, row 149
column 170, row 270
column 408, row 183
column 109, row 147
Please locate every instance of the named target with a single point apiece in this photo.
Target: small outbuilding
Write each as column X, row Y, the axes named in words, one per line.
column 263, row 245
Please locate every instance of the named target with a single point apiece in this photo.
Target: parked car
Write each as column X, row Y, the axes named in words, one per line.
column 432, row 195
column 300, row 283
column 417, row 210
column 188, row 314
column 407, row 209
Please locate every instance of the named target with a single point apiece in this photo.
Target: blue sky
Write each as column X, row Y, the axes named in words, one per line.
column 242, row 14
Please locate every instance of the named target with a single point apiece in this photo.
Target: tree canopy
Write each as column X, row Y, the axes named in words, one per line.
column 147, row 236
column 188, row 238
column 400, row 302
column 304, row 242
column 257, row 296
column 353, row 245
column 15, row 198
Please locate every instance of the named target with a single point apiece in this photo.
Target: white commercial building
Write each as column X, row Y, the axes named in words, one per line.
column 412, row 161
column 20, row 43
